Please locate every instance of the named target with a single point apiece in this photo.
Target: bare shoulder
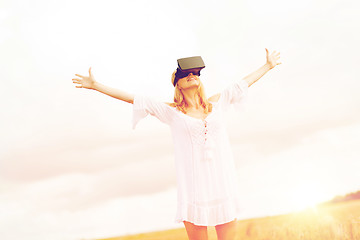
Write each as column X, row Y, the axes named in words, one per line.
column 214, row 98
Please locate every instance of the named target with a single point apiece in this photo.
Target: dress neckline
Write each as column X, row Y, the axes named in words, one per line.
column 198, row 119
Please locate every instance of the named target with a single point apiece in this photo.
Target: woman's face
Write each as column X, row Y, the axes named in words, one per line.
column 189, row 81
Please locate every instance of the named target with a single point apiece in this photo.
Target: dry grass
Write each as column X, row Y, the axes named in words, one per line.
column 339, row 221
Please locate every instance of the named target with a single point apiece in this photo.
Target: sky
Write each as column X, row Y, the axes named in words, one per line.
column 72, row 167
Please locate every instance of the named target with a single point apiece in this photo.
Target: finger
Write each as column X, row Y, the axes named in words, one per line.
column 79, row 75
column 278, row 53
column 272, row 52
column 267, row 51
column 76, row 79
column 79, row 86
column 278, row 63
column 90, row 71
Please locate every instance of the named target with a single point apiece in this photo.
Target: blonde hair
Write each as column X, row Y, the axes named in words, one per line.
column 180, row 102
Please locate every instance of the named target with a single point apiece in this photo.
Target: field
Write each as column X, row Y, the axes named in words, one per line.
column 340, row 221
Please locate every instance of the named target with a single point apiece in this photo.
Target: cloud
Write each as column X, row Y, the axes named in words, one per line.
column 86, row 154
column 114, row 217
column 325, row 160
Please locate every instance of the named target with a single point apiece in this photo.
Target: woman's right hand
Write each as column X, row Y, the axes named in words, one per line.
column 85, row 82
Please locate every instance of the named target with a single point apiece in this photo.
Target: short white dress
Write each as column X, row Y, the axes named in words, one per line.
column 207, row 186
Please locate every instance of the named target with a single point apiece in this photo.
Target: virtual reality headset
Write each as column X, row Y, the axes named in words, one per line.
column 188, row 65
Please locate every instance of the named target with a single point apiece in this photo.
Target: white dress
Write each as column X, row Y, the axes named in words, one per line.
column 207, row 190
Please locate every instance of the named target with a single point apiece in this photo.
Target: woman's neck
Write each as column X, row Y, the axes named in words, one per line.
column 192, row 98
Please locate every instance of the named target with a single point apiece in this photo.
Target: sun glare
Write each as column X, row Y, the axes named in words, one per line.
column 307, row 195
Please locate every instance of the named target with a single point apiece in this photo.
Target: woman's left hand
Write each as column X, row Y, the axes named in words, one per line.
column 272, row 58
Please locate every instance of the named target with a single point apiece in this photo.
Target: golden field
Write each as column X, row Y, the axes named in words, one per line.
column 340, row 221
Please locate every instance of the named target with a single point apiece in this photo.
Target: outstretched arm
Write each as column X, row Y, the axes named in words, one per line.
column 90, row 83
column 254, row 76
column 270, row 64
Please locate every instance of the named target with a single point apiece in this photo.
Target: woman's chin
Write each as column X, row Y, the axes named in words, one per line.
column 194, row 83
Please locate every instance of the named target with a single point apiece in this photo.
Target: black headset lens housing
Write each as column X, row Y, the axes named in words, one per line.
column 188, row 65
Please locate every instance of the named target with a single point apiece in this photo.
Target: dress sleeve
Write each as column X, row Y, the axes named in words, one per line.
column 142, row 106
column 236, row 94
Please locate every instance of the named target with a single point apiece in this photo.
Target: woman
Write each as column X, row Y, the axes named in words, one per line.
column 205, row 170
